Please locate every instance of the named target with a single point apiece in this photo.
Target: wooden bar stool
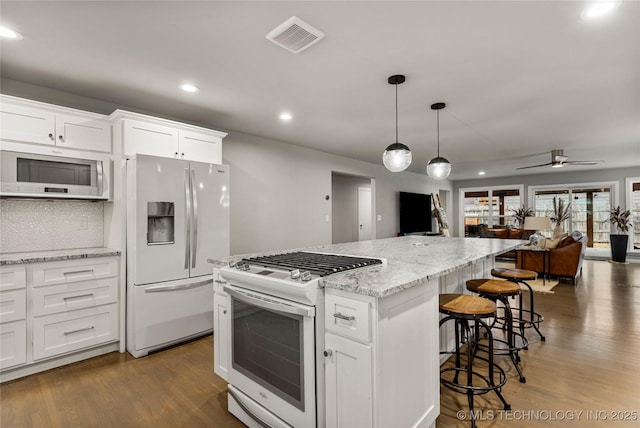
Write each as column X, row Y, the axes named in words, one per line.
column 521, row 276
column 464, row 309
column 494, row 290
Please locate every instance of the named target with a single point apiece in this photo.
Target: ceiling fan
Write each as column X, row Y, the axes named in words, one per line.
column 558, row 160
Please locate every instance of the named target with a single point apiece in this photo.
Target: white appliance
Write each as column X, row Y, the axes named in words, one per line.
column 47, row 176
column 177, row 217
column 275, row 340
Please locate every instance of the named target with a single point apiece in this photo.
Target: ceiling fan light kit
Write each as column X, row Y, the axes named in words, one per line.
column 397, row 156
column 438, row 168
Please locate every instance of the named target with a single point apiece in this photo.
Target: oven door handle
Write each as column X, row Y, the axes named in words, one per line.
column 271, row 304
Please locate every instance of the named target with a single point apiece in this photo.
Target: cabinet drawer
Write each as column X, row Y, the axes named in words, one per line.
column 74, row 295
column 13, row 344
column 348, row 317
column 13, row 277
column 13, row 305
column 67, row 271
column 74, row 330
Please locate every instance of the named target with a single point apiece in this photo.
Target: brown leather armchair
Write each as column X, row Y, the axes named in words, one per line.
column 564, row 261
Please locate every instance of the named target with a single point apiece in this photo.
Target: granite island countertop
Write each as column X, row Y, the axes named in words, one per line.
column 410, row 261
column 56, row 255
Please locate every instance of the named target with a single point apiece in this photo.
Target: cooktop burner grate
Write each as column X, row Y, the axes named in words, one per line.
column 316, row 263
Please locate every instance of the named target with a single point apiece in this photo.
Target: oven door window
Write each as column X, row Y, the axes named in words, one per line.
column 268, row 349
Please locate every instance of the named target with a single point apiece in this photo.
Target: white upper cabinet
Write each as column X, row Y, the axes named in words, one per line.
column 149, row 139
column 32, row 122
column 139, row 134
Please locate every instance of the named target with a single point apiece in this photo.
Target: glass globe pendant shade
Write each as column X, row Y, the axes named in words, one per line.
column 396, row 157
column 438, row 168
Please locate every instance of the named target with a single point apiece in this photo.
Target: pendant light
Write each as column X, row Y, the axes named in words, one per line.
column 397, row 156
column 438, row 168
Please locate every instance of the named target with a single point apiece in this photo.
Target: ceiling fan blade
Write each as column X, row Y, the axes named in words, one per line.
column 583, row 162
column 534, row 166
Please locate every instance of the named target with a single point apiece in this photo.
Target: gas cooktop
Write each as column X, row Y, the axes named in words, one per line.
column 319, row 264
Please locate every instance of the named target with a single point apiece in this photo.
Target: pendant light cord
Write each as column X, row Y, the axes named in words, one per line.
column 396, row 112
column 438, row 127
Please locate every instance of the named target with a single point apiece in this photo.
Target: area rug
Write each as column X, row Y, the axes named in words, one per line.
column 539, row 287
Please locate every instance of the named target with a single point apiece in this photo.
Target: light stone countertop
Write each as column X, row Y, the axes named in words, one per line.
column 411, row 261
column 56, row 255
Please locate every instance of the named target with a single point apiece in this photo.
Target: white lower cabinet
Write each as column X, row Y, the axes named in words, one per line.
column 13, row 314
column 348, row 377
column 13, row 344
column 380, row 358
column 56, row 312
column 221, row 319
column 73, row 330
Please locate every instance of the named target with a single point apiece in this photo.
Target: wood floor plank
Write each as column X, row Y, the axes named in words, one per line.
column 588, row 363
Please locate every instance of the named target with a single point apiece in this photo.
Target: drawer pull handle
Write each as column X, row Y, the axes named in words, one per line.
column 344, row 317
column 66, row 333
column 75, row 272
column 78, row 297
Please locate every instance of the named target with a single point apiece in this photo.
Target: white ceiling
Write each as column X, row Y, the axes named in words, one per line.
column 520, row 78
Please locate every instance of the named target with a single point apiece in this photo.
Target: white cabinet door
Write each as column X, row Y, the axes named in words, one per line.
column 221, row 342
column 27, row 124
column 83, row 133
column 149, row 139
column 200, row 147
column 348, row 383
column 13, row 344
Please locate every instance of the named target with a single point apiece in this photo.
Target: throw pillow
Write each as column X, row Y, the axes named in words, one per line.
column 551, row 243
column 566, row 241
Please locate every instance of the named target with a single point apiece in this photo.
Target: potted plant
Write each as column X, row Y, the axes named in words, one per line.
column 619, row 241
column 520, row 214
column 560, row 214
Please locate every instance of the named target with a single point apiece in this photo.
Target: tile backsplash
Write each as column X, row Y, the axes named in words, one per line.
column 32, row 225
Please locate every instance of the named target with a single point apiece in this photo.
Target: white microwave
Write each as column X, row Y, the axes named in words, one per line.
column 32, row 175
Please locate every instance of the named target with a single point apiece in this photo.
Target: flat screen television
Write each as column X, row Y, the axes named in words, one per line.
column 415, row 213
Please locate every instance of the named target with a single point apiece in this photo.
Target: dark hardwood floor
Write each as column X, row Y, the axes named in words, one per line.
column 589, row 362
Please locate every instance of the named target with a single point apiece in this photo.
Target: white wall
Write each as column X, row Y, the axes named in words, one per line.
column 278, row 193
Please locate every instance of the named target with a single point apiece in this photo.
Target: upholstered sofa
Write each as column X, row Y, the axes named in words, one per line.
column 505, row 233
column 564, row 261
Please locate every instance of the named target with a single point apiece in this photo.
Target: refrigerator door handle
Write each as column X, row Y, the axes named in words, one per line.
column 188, row 218
column 194, row 240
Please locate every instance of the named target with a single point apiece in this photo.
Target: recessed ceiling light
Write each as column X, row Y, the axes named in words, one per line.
column 188, row 87
column 8, row 33
column 599, row 8
column 481, row 173
column 285, row 116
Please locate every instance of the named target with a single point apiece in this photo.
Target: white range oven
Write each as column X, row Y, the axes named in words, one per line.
column 274, row 339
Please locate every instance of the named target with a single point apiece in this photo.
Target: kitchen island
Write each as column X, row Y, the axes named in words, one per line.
column 377, row 336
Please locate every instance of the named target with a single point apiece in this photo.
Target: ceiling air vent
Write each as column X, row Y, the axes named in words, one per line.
column 295, row 35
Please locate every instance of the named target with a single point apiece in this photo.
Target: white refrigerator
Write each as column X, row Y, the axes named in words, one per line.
column 177, row 218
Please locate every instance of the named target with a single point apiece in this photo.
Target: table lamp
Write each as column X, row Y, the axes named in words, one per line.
column 537, row 224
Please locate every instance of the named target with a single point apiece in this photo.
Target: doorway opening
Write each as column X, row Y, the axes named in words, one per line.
column 352, row 208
